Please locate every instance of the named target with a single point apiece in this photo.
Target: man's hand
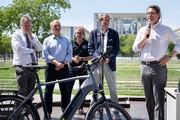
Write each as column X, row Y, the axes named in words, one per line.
column 33, row 47
column 76, row 59
column 147, row 32
column 29, row 33
column 164, row 60
column 59, row 66
column 106, row 61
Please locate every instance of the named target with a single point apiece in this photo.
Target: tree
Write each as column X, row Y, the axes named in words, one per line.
column 41, row 11
column 126, row 43
column 6, row 43
column 2, row 26
column 1, row 21
column 170, row 49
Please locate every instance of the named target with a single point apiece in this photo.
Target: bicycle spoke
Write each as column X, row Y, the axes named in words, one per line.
column 98, row 112
column 10, row 104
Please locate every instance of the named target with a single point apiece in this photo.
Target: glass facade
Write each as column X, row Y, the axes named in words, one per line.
column 124, row 23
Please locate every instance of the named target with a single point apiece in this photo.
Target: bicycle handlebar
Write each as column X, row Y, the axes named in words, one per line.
column 95, row 61
column 34, row 68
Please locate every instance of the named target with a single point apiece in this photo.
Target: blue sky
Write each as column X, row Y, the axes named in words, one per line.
column 82, row 11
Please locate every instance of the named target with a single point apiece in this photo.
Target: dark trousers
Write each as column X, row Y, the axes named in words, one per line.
column 74, row 74
column 154, row 78
column 51, row 75
column 25, row 80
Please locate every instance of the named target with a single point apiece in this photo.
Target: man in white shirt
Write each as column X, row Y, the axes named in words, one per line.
column 24, row 45
column 152, row 43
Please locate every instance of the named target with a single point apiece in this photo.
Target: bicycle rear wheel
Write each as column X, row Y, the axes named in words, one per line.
column 8, row 105
column 98, row 112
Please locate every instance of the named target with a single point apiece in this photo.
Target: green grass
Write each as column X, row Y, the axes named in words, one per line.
column 127, row 74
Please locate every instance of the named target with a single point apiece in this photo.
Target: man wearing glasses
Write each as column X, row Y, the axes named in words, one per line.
column 99, row 39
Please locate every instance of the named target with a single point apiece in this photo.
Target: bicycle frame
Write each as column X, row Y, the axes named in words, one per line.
column 39, row 88
column 88, row 85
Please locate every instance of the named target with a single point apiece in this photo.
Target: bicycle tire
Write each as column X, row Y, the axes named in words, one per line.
column 117, row 112
column 9, row 103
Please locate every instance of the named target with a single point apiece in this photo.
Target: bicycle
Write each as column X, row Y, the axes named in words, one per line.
column 102, row 109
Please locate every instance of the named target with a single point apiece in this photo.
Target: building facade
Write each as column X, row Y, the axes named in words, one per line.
column 124, row 23
column 68, row 31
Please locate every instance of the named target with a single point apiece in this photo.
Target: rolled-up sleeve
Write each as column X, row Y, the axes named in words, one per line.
column 136, row 42
column 174, row 39
column 37, row 44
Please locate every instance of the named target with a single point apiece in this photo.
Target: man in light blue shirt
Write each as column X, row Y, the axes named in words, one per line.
column 57, row 51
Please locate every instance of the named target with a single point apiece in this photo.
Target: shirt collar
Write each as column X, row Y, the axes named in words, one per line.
column 106, row 31
column 55, row 37
column 23, row 32
column 81, row 43
column 156, row 25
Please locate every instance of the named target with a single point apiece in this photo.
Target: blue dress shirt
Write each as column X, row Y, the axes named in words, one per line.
column 58, row 48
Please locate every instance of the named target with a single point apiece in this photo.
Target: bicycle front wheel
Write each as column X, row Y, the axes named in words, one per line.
column 99, row 112
column 8, row 105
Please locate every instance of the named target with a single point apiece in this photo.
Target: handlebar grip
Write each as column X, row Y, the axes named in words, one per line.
column 76, row 68
column 94, row 60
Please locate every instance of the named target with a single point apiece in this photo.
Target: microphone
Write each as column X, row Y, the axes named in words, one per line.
column 102, row 43
column 149, row 26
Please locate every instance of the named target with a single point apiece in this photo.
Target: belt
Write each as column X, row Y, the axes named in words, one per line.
column 17, row 65
column 26, row 64
column 149, row 62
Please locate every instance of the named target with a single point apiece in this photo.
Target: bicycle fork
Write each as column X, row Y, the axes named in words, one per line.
column 105, row 103
column 41, row 96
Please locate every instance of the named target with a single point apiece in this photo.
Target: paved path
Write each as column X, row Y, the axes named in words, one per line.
column 137, row 110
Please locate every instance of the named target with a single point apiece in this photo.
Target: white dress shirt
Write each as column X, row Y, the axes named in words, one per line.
column 157, row 43
column 21, row 54
column 105, row 39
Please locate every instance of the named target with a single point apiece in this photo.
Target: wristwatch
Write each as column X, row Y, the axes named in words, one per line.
column 170, row 56
column 63, row 63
